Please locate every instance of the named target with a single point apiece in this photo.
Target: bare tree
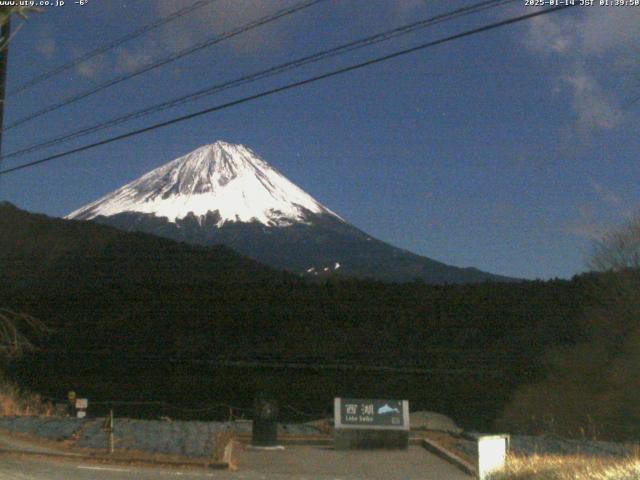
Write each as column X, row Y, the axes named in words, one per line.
column 618, row 250
column 592, row 386
column 18, row 331
column 6, row 12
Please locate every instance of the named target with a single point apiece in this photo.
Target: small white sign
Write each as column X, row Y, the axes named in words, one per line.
column 492, row 453
column 82, row 403
column 81, row 413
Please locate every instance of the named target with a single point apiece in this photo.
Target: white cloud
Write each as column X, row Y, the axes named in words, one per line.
column 595, row 106
column 585, row 225
column 595, row 47
column 206, row 22
column 223, row 16
column 596, row 217
column 605, row 31
column 546, row 36
column 132, row 59
column 605, row 195
column 46, row 44
column 589, row 230
column 92, row 68
column 404, row 10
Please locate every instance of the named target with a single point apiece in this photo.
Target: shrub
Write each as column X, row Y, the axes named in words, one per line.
column 550, row 467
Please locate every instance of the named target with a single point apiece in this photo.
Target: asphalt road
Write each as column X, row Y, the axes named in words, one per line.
column 293, row 463
column 20, row 469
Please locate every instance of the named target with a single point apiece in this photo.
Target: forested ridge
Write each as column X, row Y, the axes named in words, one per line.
column 114, row 297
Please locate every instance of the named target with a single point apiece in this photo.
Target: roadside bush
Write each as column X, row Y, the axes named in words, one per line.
column 17, row 402
column 568, row 468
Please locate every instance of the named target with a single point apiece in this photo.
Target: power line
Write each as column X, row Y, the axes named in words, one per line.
column 159, row 403
column 469, row 366
column 109, row 46
column 165, row 60
column 427, row 357
column 322, row 55
column 289, row 86
column 5, row 32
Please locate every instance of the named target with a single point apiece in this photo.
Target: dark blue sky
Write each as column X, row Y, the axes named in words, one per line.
column 508, row 151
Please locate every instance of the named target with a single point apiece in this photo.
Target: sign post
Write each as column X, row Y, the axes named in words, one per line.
column 367, row 423
column 81, row 407
column 108, row 426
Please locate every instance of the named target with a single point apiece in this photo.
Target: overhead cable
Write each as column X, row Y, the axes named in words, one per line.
column 262, row 74
column 109, row 46
column 165, row 60
column 289, row 86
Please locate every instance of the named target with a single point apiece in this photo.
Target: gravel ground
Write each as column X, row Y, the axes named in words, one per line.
column 45, row 427
column 198, row 439
column 184, row 438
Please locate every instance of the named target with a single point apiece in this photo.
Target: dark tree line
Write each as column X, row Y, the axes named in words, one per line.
column 138, row 316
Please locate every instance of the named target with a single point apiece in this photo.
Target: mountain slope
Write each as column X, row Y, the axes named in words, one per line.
column 225, row 194
column 36, row 250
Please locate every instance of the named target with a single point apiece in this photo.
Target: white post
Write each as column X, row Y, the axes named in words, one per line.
column 492, row 453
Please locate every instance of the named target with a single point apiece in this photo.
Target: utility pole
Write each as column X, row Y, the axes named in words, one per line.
column 111, row 427
column 108, row 426
column 5, row 32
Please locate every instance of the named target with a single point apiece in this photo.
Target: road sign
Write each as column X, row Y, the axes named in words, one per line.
column 368, row 414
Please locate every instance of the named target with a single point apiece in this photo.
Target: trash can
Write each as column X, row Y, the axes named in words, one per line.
column 265, row 423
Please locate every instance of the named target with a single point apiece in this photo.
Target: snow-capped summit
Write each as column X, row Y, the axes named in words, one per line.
column 222, row 177
column 224, row 194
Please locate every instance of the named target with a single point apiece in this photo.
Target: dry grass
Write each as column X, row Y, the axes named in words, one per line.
column 17, row 330
column 549, row 467
column 14, row 401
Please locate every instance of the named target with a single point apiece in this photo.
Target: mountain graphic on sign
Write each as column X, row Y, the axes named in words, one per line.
column 386, row 410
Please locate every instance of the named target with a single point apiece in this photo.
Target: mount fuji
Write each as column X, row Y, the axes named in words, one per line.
column 225, row 194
